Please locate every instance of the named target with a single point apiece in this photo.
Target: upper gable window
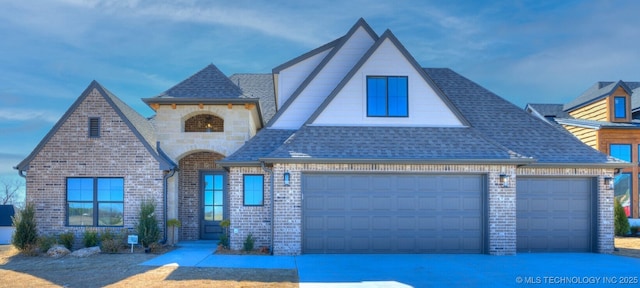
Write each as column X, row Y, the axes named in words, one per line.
column 204, row 123
column 94, row 127
column 620, row 107
column 387, row 96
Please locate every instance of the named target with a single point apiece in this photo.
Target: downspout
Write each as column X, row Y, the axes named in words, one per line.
column 271, row 182
column 165, row 184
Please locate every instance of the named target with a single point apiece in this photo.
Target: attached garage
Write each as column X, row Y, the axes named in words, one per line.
column 555, row 214
column 393, row 213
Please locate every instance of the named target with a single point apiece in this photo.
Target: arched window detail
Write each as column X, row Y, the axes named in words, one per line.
column 204, row 123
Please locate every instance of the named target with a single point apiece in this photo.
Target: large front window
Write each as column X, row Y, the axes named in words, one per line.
column 622, row 191
column 95, row 201
column 620, row 107
column 387, row 96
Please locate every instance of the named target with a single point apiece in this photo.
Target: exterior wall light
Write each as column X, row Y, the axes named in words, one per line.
column 504, row 180
column 287, row 178
column 608, row 182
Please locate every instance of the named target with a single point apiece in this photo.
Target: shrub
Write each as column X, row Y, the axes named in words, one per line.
column 46, row 242
column 148, row 231
column 67, row 239
column 90, row 238
column 26, row 235
column 248, row 243
column 224, row 241
column 620, row 221
column 224, row 238
column 634, row 230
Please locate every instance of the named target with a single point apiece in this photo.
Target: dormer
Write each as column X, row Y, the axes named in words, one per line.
column 619, row 105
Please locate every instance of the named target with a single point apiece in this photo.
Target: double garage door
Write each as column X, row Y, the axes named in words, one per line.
column 392, row 213
column 417, row 213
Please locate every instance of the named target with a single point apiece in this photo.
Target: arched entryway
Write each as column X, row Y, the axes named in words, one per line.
column 202, row 196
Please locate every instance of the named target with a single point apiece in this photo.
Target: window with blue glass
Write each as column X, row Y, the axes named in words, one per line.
column 387, row 96
column 620, row 107
column 621, row 151
column 253, row 190
column 95, row 201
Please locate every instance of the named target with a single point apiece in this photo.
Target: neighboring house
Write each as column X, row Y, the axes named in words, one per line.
column 352, row 147
column 605, row 117
column 6, row 223
column 370, row 153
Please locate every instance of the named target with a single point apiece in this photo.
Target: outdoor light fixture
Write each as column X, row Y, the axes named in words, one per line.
column 504, row 180
column 608, row 182
column 287, row 177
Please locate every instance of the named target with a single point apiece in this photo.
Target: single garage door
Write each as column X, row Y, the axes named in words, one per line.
column 554, row 214
column 392, row 213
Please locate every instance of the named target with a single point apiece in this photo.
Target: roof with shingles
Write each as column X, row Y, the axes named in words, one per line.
column 263, row 143
column 140, row 126
column 602, row 89
column 390, row 143
column 209, row 82
column 254, row 85
column 549, row 110
column 507, row 124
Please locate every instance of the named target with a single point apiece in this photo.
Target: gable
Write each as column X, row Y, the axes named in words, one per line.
column 119, row 125
column 324, row 78
column 291, row 77
column 348, row 106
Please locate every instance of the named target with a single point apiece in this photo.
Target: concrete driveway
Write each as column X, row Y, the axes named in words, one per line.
column 426, row 270
column 559, row 270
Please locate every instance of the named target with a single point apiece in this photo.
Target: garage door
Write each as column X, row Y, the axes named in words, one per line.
column 554, row 214
column 391, row 213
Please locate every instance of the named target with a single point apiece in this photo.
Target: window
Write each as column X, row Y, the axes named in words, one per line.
column 622, row 191
column 204, row 123
column 620, row 151
column 387, row 96
column 620, row 107
column 253, row 190
column 94, row 127
column 95, row 201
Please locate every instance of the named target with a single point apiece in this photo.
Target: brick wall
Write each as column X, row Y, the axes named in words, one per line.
column 189, row 191
column 501, row 201
column 71, row 153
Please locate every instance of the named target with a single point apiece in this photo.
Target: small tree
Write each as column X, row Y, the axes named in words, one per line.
column 148, row 230
column 26, row 235
column 10, row 191
column 620, row 221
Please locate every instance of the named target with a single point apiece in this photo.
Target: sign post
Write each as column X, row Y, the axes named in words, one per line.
column 132, row 239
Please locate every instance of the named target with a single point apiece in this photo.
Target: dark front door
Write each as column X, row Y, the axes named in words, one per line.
column 212, row 208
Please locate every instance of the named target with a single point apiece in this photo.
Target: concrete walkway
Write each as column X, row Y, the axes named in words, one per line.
column 425, row 270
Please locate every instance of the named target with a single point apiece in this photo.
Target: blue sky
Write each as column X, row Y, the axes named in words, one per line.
column 525, row 51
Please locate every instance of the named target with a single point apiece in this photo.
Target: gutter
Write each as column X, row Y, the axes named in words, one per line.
column 271, row 192
column 165, row 180
column 20, row 172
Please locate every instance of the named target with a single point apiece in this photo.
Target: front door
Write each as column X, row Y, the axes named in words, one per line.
column 212, row 208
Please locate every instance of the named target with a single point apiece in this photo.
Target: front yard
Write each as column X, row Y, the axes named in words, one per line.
column 122, row 270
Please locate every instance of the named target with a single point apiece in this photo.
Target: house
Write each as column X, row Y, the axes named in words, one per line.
column 605, row 117
column 7, row 213
column 371, row 153
column 352, row 147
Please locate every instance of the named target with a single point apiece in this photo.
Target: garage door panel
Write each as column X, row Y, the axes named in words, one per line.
column 553, row 214
column 394, row 213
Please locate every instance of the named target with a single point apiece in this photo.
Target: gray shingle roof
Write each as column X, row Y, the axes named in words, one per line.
column 390, row 143
column 263, row 143
column 258, row 86
column 603, row 89
column 209, row 82
column 549, row 110
column 505, row 123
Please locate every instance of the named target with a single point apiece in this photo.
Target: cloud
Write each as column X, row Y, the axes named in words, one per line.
column 20, row 114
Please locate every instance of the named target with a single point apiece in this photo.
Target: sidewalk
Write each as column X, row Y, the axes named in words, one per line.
column 200, row 254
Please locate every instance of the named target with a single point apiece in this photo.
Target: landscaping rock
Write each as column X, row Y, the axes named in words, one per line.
column 57, row 251
column 86, row 252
